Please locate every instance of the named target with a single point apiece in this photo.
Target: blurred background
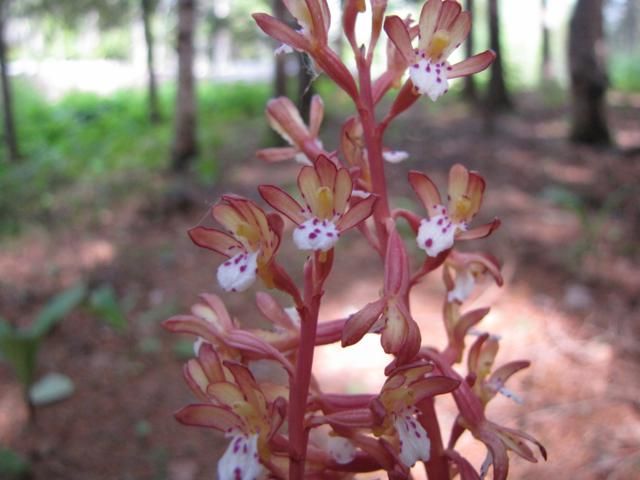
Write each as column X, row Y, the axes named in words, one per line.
column 123, row 122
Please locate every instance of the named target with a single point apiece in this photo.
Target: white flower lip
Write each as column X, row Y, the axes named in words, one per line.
column 341, row 450
column 414, row 441
column 240, row 460
column 436, row 234
column 239, row 272
column 316, row 234
column 463, row 288
column 430, row 78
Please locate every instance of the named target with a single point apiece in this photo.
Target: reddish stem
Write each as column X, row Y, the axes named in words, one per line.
column 437, row 466
column 373, row 141
column 299, row 390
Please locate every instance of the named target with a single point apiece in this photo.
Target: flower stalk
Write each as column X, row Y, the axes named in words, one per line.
column 256, row 386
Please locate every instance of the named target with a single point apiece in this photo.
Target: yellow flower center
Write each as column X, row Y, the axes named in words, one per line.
column 440, row 40
column 461, row 208
column 248, row 232
column 325, row 203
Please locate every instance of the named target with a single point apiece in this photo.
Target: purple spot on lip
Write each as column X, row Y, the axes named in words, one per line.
column 226, row 264
column 449, row 68
column 243, row 268
column 428, row 242
column 438, row 80
column 329, row 234
column 415, row 65
column 428, row 69
column 312, row 235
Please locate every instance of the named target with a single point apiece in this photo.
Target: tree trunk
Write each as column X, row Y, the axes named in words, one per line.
column 7, row 100
column 546, row 72
column 588, row 74
column 184, row 143
column 497, row 95
column 154, row 110
column 280, row 74
column 305, row 85
column 469, row 91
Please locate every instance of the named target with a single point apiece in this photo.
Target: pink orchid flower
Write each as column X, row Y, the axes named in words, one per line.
column 395, row 408
column 233, row 403
column 326, row 190
column 437, row 233
column 284, row 118
column 464, row 271
column 442, row 28
column 250, row 242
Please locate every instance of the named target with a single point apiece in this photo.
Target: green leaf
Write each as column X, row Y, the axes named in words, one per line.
column 20, row 349
column 54, row 387
column 104, row 303
column 57, row 308
column 12, row 465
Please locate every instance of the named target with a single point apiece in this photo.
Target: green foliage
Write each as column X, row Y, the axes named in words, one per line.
column 58, row 308
column 86, row 139
column 104, row 303
column 12, row 465
column 20, row 346
column 625, row 73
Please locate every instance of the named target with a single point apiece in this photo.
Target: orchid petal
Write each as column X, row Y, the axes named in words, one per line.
column 361, row 322
column 431, row 386
column 479, row 232
column 357, row 213
column 276, row 154
column 427, row 23
column 316, row 113
column 448, row 14
column 342, row 191
column 280, row 31
column 458, row 32
column 399, row 35
column 212, row 239
column 471, row 65
column 283, row 202
column 309, row 184
column 210, row 416
column 427, row 192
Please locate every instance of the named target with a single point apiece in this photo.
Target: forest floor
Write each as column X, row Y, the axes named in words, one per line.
column 569, row 242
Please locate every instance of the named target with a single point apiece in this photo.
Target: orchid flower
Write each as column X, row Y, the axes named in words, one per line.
column 251, row 241
column 234, row 404
column 284, row 118
column 389, row 315
column 442, row 28
column 312, row 37
column 326, row 190
column 480, row 362
column 211, row 324
column 396, row 410
column 437, row 233
column 470, row 269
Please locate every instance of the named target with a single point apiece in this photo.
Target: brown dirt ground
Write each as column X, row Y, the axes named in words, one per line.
column 570, row 303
